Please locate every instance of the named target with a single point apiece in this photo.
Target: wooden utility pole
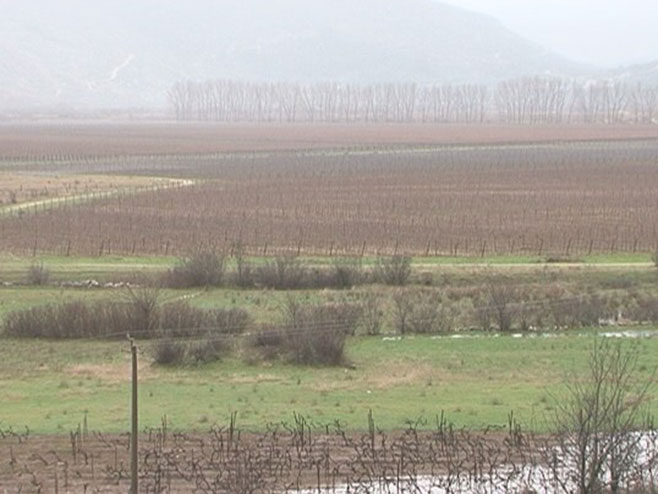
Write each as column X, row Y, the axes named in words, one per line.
column 134, row 420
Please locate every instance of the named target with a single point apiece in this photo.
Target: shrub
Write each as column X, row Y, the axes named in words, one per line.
column 181, row 319
column 268, row 341
column 482, row 313
column 558, row 259
column 531, row 315
column 619, row 282
column 557, row 298
column 420, row 311
column 502, row 298
column 591, row 309
column 289, row 273
column 645, row 309
column 402, row 307
column 228, row 321
column 37, row 274
column 571, row 311
column 201, row 269
column 346, row 272
column 394, row 270
column 282, row 273
column 141, row 316
column 429, row 314
column 314, row 335
column 244, row 275
column 75, row 319
column 371, row 314
column 69, row 320
column 168, row 352
column 209, row 349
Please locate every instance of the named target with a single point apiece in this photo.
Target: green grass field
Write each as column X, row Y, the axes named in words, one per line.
column 50, row 386
column 111, row 267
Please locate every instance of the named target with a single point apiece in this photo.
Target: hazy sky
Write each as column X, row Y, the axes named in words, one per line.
column 601, row 32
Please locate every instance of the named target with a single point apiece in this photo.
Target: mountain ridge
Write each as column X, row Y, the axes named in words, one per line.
column 71, row 54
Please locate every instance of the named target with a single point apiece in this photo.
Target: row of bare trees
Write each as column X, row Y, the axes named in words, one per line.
column 530, row 100
column 230, row 101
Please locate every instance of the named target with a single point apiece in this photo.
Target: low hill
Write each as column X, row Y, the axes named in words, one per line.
column 82, row 54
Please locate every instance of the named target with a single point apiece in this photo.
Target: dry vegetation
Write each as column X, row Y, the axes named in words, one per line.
column 553, row 199
column 289, row 457
column 304, row 457
column 19, row 188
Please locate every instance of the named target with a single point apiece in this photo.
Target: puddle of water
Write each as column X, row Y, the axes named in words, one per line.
column 506, row 479
column 629, row 333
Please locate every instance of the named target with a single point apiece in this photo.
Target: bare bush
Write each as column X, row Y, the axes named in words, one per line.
column 482, row 313
column 402, row 308
column 244, row 270
column 210, row 349
column 346, row 272
column 139, row 314
column 282, row 273
column 316, row 334
column 37, row 274
column 169, row 352
column 268, row 341
column 69, row 320
column 576, row 311
column 181, row 319
column 501, row 302
column 394, row 270
column 644, row 309
column 202, row 269
column 228, row 321
column 142, row 306
column 428, row 314
column 371, row 314
column 420, row 311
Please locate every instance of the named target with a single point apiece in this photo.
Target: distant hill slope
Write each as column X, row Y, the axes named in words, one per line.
column 127, row 53
column 643, row 73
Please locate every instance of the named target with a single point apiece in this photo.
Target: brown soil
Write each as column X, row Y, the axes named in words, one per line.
column 296, row 456
column 564, row 199
column 19, row 188
column 75, row 141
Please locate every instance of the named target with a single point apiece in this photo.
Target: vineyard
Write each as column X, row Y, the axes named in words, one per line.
column 302, row 457
column 29, row 143
column 558, row 199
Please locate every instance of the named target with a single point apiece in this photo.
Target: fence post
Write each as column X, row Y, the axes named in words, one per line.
column 134, row 420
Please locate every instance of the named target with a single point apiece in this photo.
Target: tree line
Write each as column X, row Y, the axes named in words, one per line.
column 527, row 100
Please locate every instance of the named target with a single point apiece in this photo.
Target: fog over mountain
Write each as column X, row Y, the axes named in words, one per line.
column 607, row 33
column 83, row 54
column 646, row 73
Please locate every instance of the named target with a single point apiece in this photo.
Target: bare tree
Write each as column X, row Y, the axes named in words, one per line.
column 528, row 100
column 645, row 103
column 600, row 424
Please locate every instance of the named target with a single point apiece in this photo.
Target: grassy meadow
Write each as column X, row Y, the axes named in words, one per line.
column 477, row 379
column 50, row 386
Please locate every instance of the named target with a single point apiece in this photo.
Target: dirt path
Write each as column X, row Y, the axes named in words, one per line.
column 51, row 203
